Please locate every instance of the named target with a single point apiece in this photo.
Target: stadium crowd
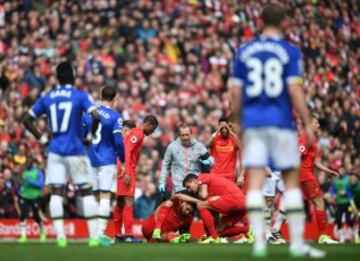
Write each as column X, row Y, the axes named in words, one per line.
column 170, row 58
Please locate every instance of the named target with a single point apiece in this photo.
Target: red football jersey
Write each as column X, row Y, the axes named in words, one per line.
column 218, row 186
column 308, row 156
column 175, row 221
column 133, row 143
column 224, row 152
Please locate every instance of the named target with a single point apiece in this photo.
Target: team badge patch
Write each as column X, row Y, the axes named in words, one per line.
column 133, row 139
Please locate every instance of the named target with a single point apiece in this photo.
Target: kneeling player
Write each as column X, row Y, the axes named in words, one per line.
column 168, row 219
column 219, row 195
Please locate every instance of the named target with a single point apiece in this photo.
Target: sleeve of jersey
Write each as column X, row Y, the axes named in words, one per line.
column 130, row 146
column 238, row 71
column 302, row 144
column 85, row 125
column 38, row 108
column 88, row 103
column 294, row 69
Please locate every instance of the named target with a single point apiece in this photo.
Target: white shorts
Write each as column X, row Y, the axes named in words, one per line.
column 281, row 145
column 273, row 183
column 60, row 167
column 105, row 178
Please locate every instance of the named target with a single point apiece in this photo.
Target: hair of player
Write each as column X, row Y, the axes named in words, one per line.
column 189, row 177
column 223, row 119
column 108, row 93
column 65, row 73
column 273, row 15
column 151, row 119
column 129, row 124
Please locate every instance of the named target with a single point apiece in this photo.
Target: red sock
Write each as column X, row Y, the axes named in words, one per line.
column 128, row 217
column 321, row 221
column 208, row 221
column 163, row 212
column 118, row 220
column 234, row 231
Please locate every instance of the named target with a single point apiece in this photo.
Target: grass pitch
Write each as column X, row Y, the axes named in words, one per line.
column 158, row 252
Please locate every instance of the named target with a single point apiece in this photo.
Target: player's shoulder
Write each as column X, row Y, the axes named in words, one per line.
column 291, row 48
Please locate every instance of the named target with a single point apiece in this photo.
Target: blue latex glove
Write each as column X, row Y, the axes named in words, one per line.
column 161, row 187
column 205, row 162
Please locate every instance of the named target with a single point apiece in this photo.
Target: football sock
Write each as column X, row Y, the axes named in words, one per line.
column 23, row 229
column 90, row 213
column 296, row 218
column 234, row 231
column 268, row 215
column 280, row 218
column 103, row 215
column 255, row 205
column 208, row 221
column 321, row 221
column 57, row 213
column 118, row 219
column 128, row 218
column 163, row 212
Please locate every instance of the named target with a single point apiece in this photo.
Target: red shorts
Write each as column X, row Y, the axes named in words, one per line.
column 228, row 204
column 122, row 190
column 148, row 228
column 310, row 189
column 235, row 218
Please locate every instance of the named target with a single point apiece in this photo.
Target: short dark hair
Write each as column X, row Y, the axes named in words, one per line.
column 108, row 93
column 273, row 15
column 183, row 126
column 65, row 73
column 151, row 119
column 189, row 177
column 223, row 119
column 129, row 123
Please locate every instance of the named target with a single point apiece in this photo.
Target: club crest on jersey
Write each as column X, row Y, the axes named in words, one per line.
column 133, row 139
column 302, row 148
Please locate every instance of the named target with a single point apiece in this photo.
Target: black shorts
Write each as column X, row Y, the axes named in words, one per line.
column 29, row 204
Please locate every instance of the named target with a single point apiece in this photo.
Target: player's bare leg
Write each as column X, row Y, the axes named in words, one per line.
column 279, row 220
column 320, row 214
column 255, row 204
column 103, row 217
column 269, row 211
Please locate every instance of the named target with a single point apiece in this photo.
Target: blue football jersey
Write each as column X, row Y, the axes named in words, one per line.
column 265, row 67
column 64, row 107
column 108, row 142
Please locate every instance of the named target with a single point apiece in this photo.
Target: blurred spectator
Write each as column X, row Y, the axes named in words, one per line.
column 146, row 203
column 7, row 201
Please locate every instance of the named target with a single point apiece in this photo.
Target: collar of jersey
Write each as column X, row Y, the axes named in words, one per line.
column 67, row 86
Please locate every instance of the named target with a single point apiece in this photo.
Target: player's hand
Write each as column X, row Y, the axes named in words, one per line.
column 334, row 174
column 161, row 187
column 240, row 181
column 43, row 140
column 127, row 180
column 267, row 172
column 310, row 136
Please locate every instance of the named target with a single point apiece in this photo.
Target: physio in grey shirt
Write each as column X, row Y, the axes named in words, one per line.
column 183, row 156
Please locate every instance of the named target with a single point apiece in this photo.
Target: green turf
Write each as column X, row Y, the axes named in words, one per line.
column 155, row 252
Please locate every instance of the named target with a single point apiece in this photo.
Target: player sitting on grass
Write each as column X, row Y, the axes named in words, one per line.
column 169, row 218
column 220, row 195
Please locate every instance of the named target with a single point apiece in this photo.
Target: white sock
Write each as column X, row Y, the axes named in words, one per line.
column 57, row 214
column 90, row 213
column 23, row 229
column 103, row 216
column 255, row 204
column 280, row 217
column 296, row 218
column 268, row 215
